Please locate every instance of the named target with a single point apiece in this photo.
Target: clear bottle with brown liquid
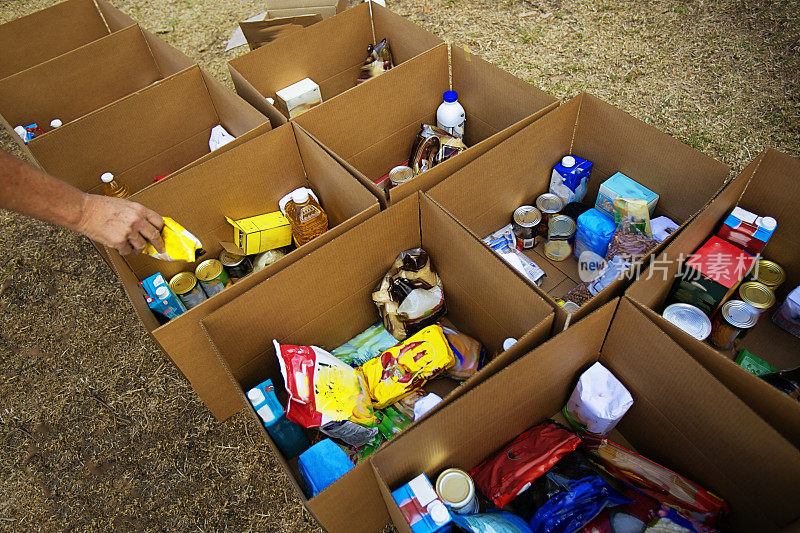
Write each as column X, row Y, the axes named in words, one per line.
column 306, row 216
column 114, row 187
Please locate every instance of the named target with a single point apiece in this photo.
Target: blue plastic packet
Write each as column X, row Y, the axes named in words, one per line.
column 491, row 522
column 321, row 465
column 594, row 233
column 575, row 507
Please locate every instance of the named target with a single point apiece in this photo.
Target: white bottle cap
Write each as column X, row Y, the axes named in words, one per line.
column 768, row 223
column 568, row 161
column 508, row 343
column 56, row 123
column 438, row 512
column 22, row 132
column 162, row 292
column 107, row 177
column 300, row 196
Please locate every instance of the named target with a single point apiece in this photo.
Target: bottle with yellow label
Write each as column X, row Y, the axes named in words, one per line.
column 306, row 216
column 114, row 187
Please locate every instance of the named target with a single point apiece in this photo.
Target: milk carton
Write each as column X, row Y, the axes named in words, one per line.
column 569, row 178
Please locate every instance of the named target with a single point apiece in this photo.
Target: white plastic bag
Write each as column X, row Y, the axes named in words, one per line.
column 599, row 400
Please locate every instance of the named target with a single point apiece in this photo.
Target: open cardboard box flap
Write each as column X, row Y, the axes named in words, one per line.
column 330, row 52
column 242, row 181
column 325, row 299
column 483, row 194
column 675, row 419
column 768, row 186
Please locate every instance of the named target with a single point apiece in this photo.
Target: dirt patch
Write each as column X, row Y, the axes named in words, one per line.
column 99, row 431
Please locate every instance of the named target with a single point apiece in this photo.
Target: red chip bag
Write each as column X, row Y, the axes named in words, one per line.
column 511, row 470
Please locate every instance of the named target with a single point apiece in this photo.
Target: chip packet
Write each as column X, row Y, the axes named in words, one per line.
column 469, row 354
column 179, row 244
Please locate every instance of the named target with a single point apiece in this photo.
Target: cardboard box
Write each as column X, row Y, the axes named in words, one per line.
column 45, row 34
column 769, row 186
column 372, row 128
column 155, row 131
column 325, row 299
column 484, row 194
column 330, row 52
column 83, row 80
column 674, row 420
column 298, row 97
column 249, row 178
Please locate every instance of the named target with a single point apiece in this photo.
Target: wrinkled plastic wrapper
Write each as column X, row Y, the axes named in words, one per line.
column 491, row 522
column 432, row 146
column 404, row 368
column 519, row 463
column 321, row 388
column 634, row 214
column 469, row 354
column 379, row 60
column 598, row 402
column 410, row 296
column 504, row 244
column 658, row 482
column 219, row 137
column 365, row 346
column 179, row 244
column 264, row 259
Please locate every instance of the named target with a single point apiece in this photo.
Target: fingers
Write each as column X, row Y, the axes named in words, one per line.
column 137, row 242
column 153, row 218
column 123, row 248
column 149, row 232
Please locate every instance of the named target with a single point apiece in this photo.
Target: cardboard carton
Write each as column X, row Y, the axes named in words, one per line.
column 769, row 186
column 246, row 179
column 330, row 52
column 325, row 299
column 147, row 134
column 674, row 420
column 260, row 233
column 372, row 128
column 484, row 194
column 45, row 34
column 85, row 79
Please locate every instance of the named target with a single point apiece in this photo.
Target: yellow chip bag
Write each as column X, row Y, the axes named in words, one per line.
column 404, row 368
column 179, row 244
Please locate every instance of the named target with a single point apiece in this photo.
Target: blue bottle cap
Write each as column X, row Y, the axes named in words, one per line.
column 450, row 96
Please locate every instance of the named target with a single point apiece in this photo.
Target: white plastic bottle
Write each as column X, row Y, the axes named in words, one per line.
column 451, row 116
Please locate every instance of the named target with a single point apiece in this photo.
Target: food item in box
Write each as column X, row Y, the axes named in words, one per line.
column 321, row 388
column 504, row 243
column 757, row 295
column 287, row 435
column 410, row 296
column 417, row 404
column 391, row 421
column 769, row 273
column 29, row 132
column 788, row 314
column 663, row 227
column 364, row 346
column 321, row 465
column 747, row 230
column 265, row 259
column 689, row 318
column 529, row 456
column 787, row 381
column 598, row 402
column 406, row 367
column 753, row 364
column 188, row 289
column 569, row 178
column 525, row 222
column 379, row 60
column 298, row 97
column 237, row 266
column 469, row 354
column 160, row 298
column 548, row 204
column 491, row 522
column 260, row 233
column 113, row 186
column 632, row 213
column 219, row 137
column 421, row 507
column 302, row 209
column 632, row 240
column 212, row 277
column 179, row 244
column 594, row 233
column 350, row 433
column 457, row 491
column 400, row 174
column 432, row 146
column 621, row 186
column 450, row 115
column 732, row 320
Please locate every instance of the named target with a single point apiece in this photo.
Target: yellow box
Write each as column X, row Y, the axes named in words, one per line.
column 261, row 233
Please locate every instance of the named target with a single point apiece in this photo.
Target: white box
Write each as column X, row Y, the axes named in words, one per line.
column 298, row 97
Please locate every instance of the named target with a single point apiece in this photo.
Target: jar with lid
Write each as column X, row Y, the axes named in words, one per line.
column 730, row 322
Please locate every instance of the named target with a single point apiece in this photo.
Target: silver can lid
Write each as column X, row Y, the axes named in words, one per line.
column 690, row 319
column 549, row 203
column 527, row 216
column 740, row 314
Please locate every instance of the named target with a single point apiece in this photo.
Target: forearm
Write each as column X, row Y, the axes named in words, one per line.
column 30, row 191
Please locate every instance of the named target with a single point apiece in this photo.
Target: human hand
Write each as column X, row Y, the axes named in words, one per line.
column 121, row 224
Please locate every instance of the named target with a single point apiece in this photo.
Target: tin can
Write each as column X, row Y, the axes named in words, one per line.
column 184, row 284
column 212, row 277
column 557, row 249
column 757, row 295
column 549, row 204
column 732, row 320
column 769, row 273
column 237, row 266
column 689, row 318
column 457, row 490
column 400, row 175
column 525, row 223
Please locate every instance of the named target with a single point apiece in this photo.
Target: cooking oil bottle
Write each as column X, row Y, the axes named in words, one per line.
column 306, row 216
column 114, row 187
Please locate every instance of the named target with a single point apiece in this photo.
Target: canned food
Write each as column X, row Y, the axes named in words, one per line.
column 734, row 318
column 757, row 295
column 185, row 286
column 557, row 249
column 549, row 204
column 457, row 490
column 769, row 273
column 525, row 223
column 212, row 277
column 237, row 266
column 561, row 227
column 570, row 307
column 400, row 175
column 689, row 318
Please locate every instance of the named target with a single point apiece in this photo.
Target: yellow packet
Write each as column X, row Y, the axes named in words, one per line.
column 179, row 244
column 635, row 213
column 404, row 368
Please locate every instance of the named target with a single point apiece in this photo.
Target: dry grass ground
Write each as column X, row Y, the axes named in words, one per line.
column 100, row 432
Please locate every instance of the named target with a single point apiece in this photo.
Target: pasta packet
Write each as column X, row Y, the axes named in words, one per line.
column 179, row 244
